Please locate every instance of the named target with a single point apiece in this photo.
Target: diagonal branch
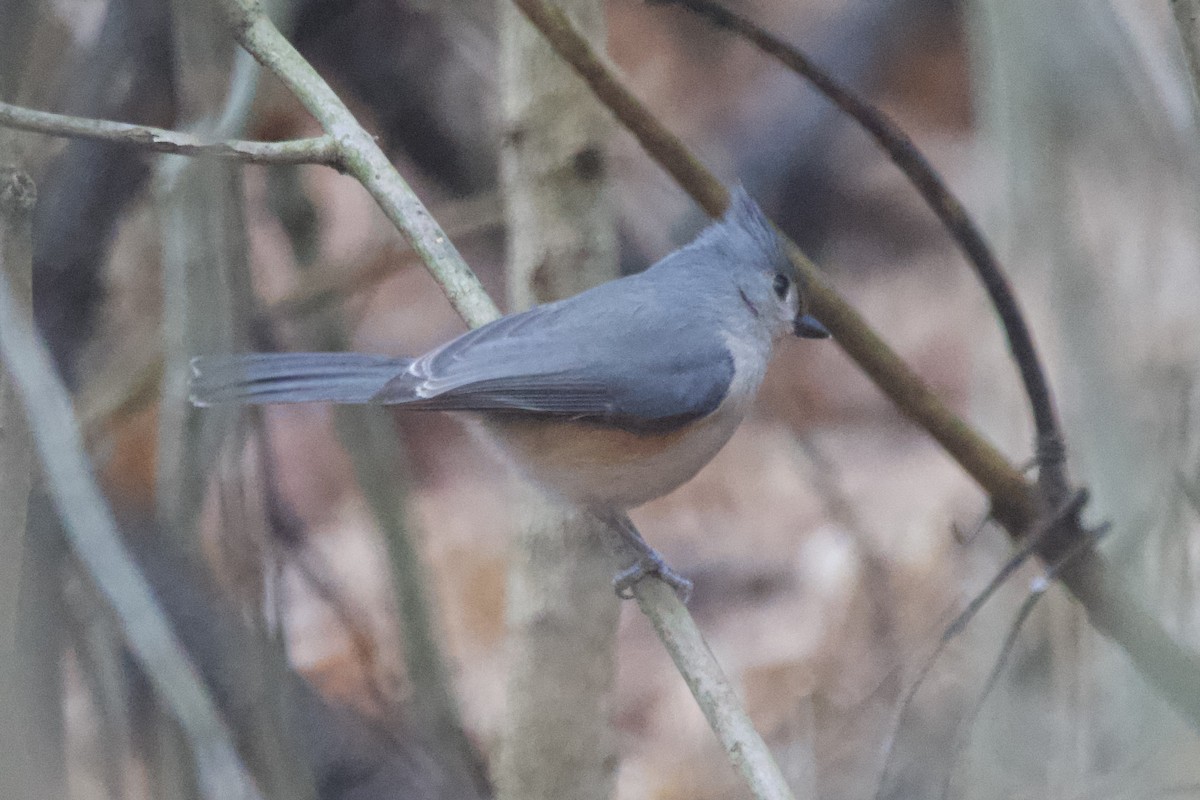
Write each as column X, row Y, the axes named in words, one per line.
column 912, row 162
column 1187, row 19
column 363, row 159
column 712, row 690
column 317, row 150
column 94, row 539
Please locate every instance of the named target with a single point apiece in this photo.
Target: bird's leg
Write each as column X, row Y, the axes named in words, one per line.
column 647, row 561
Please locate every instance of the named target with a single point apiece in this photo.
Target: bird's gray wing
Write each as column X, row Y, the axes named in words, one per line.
column 577, row 360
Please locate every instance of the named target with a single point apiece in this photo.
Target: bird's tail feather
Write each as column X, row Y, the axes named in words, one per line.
column 260, row 378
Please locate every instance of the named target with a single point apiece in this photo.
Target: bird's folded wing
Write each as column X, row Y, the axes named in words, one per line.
column 560, row 360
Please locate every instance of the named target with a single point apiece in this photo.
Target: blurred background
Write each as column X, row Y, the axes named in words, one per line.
column 831, row 542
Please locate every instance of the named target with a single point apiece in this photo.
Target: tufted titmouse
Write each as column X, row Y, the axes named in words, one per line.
column 609, row 398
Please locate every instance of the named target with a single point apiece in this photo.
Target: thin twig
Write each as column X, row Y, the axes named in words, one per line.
column 905, row 154
column 317, row 150
column 1190, row 490
column 376, row 452
column 839, row 507
column 993, row 679
column 94, row 538
column 97, row 644
column 1037, row 590
column 893, row 736
column 17, row 198
column 378, row 457
column 1112, row 609
column 315, row 572
column 712, row 690
column 1033, row 543
column 363, row 159
column 1187, row 19
column 319, row 287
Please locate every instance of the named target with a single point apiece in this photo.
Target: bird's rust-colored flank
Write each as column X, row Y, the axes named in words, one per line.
column 602, row 466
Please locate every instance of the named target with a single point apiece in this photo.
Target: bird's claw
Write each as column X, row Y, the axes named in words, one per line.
column 626, row 579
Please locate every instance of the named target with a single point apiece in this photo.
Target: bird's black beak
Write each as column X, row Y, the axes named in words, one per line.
column 807, row 327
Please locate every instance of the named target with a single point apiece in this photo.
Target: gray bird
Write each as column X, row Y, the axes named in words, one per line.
column 607, row 399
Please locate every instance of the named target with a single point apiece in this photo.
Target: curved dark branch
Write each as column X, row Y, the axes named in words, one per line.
column 905, row 155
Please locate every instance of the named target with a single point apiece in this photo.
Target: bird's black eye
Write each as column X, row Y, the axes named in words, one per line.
column 781, row 285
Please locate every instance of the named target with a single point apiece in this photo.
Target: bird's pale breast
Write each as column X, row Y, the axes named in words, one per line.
column 600, row 466
column 609, row 468
column 605, row 467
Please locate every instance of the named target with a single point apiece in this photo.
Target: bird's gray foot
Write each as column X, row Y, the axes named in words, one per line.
column 647, row 561
column 651, row 564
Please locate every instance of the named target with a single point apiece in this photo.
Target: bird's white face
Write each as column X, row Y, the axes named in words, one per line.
column 774, row 300
column 786, row 305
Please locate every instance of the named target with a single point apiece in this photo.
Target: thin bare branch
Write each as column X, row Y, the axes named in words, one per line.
column 912, row 162
column 376, row 452
column 993, row 679
column 97, row 643
column 901, row 714
column 712, row 690
column 316, row 150
column 320, row 287
column 1033, row 542
column 364, row 160
column 1187, row 19
column 17, row 195
column 664, row 146
column 92, row 533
